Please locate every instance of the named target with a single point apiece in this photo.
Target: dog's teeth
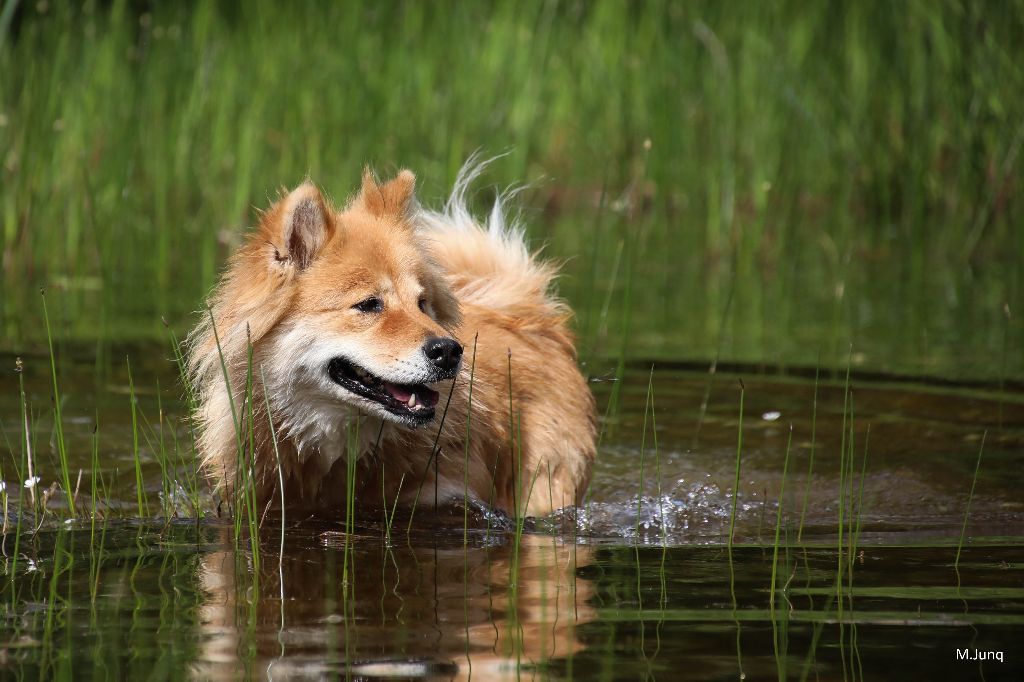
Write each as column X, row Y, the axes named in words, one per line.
column 412, row 400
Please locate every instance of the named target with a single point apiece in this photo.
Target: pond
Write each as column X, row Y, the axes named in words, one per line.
column 896, row 559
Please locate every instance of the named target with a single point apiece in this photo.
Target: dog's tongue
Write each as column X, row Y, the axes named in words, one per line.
column 403, row 394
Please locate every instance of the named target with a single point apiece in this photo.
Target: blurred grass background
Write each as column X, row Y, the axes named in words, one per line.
column 767, row 182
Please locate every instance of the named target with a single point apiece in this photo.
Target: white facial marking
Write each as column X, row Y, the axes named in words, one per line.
column 315, row 410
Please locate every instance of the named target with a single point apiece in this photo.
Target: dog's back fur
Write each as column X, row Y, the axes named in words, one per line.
column 518, row 432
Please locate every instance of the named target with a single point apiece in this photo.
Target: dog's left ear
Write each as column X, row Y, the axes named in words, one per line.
column 300, row 224
column 393, row 199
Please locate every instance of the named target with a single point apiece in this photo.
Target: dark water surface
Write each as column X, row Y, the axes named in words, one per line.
column 141, row 602
column 637, row 584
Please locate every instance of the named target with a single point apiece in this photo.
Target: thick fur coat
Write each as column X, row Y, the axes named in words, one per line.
column 326, row 318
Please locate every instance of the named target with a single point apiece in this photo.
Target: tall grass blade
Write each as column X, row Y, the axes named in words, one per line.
column 465, row 466
column 736, row 477
column 62, row 452
column 140, row 486
column 732, row 534
column 778, row 520
column 810, row 458
column 967, row 509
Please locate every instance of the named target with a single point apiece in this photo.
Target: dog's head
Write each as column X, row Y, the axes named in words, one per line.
column 369, row 318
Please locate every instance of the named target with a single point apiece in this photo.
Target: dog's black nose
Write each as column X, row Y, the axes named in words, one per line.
column 444, row 353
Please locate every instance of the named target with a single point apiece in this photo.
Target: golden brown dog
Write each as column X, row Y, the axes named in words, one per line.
column 424, row 346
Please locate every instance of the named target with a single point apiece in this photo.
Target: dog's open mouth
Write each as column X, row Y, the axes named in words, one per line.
column 415, row 402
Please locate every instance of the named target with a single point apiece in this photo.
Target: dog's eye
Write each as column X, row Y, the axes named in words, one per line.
column 370, row 305
column 423, row 305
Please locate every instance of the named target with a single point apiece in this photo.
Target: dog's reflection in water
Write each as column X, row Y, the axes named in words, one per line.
column 421, row 608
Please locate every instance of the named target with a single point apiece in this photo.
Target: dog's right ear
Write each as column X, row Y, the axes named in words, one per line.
column 300, row 225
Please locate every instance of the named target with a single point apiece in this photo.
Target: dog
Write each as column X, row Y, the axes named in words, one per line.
column 401, row 355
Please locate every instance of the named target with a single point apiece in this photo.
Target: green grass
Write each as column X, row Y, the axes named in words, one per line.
column 58, row 420
column 246, row 459
column 469, row 434
column 735, row 496
column 967, row 508
column 778, row 520
column 813, row 158
column 140, row 486
column 22, row 471
column 810, row 456
column 732, row 534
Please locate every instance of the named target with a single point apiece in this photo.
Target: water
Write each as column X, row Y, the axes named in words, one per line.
column 638, row 583
column 180, row 602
